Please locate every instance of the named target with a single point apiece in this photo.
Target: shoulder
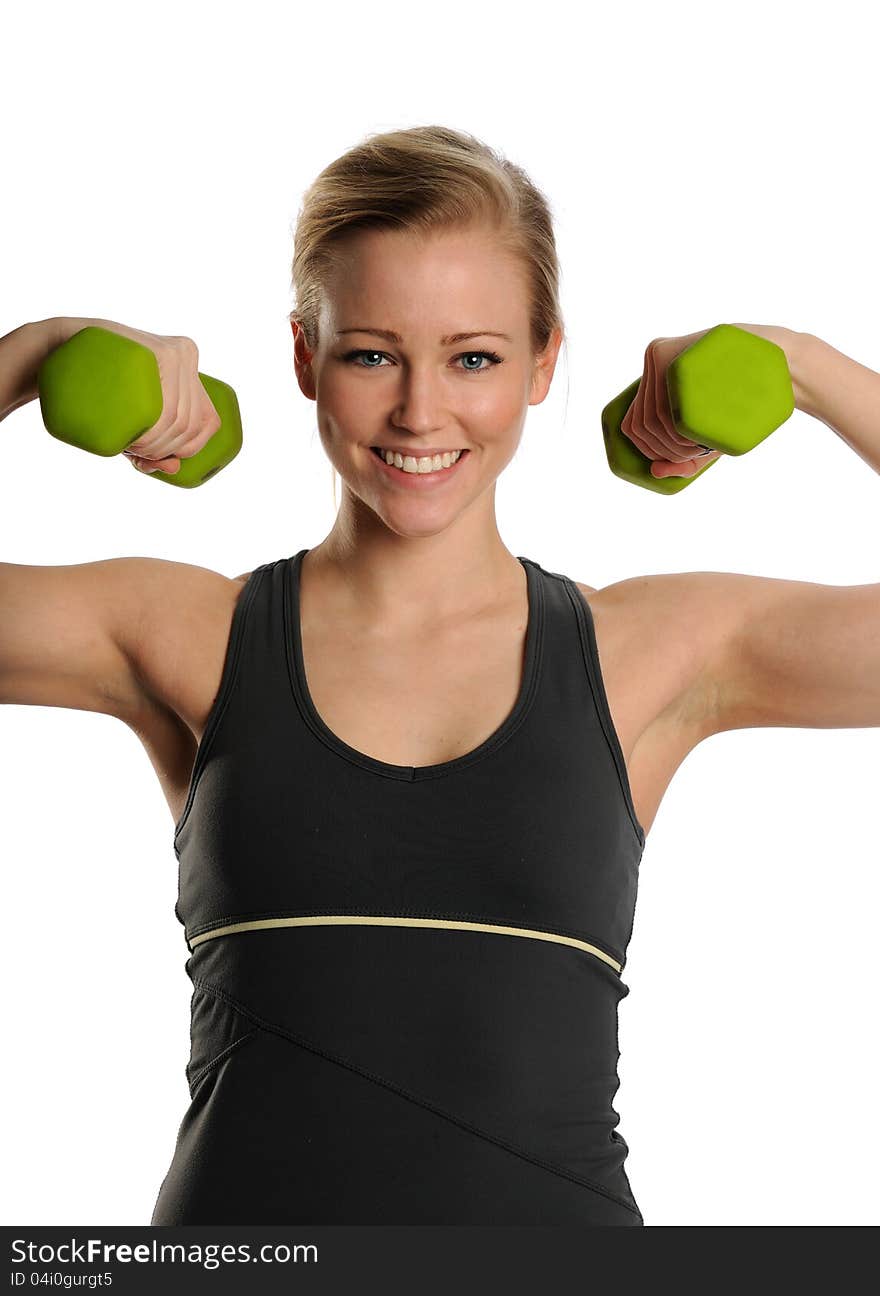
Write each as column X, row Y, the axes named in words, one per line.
column 162, row 590
column 176, row 628
column 686, row 598
column 676, row 632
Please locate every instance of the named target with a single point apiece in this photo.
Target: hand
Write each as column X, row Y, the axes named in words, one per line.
column 188, row 419
column 648, row 421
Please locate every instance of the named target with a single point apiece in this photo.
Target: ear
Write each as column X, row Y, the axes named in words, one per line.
column 302, row 361
column 544, row 367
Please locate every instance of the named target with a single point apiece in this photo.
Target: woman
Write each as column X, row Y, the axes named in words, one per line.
column 410, row 836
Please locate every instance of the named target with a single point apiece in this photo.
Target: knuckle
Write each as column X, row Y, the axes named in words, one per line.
column 168, row 349
column 210, row 421
column 181, row 345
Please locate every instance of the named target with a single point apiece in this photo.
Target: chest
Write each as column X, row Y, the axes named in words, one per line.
column 412, row 699
column 408, row 699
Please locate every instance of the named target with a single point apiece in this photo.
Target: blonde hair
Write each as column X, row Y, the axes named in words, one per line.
column 422, row 179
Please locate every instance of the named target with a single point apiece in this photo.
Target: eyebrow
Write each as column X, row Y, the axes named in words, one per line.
column 449, row 340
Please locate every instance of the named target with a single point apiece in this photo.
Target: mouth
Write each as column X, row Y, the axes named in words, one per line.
column 413, row 472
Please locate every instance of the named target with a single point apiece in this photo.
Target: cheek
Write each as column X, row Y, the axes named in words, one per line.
column 341, row 401
column 498, row 406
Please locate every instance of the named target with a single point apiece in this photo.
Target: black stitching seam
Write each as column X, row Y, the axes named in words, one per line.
column 215, row 1061
column 597, row 685
column 274, row 1029
column 229, row 678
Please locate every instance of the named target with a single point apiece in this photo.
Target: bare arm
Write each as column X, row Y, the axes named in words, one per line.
column 59, row 644
column 21, row 353
column 64, row 635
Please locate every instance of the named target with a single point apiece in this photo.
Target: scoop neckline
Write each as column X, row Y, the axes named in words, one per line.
column 412, row 773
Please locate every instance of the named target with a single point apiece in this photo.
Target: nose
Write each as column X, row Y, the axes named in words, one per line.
column 420, row 407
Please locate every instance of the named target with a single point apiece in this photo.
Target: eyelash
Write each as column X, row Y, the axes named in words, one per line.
column 489, row 355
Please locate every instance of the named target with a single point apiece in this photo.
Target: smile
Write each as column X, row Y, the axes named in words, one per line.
column 431, row 467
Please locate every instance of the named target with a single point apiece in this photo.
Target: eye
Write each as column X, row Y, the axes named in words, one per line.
column 353, row 356
column 482, row 355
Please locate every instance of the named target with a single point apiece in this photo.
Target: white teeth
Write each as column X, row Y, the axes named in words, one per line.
column 426, row 464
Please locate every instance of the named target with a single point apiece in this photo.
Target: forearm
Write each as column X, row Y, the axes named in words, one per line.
column 842, row 394
column 21, row 353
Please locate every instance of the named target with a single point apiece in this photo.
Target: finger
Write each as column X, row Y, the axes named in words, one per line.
column 150, row 441
column 657, row 417
column 168, row 442
column 689, row 468
column 208, row 424
column 195, row 443
column 657, row 430
column 178, row 375
column 643, row 423
column 181, row 423
column 633, row 417
column 642, row 445
column 140, row 464
column 648, row 422
column 170, row 463
column 197, row 419
column 680, row 448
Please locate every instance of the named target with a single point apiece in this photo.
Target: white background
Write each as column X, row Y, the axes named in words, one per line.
column 704, row 164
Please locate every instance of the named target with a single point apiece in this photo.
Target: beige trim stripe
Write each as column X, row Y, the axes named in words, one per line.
column 323, row 920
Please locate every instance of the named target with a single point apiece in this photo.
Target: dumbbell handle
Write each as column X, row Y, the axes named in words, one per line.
column 100, row 391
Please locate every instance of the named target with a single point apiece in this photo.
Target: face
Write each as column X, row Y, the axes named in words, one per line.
column 423, row 392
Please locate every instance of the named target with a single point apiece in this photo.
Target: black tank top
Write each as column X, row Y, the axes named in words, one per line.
column 405, row 978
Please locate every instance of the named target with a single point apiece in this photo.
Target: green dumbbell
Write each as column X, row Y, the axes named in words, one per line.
column 100, row 391
column 727, row 391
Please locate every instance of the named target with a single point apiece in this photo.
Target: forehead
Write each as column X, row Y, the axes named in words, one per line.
column 425, row 278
